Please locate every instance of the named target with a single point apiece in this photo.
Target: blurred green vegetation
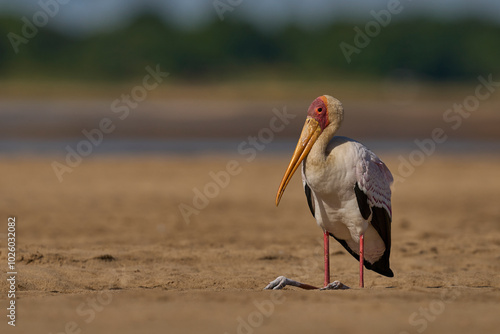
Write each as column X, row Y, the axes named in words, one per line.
column 431, row 50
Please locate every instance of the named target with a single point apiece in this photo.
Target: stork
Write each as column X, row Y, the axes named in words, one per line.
column 348, row 190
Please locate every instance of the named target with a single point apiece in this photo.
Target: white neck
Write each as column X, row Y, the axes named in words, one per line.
column 317, row 155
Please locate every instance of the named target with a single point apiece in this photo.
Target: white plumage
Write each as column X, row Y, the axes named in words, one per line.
column 348, row 189
column 335, row 204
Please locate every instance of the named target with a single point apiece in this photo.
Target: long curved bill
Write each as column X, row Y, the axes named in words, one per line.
column 309, row 135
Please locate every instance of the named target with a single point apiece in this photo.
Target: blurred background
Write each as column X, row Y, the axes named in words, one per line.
column 63, row 65
column 142, row 106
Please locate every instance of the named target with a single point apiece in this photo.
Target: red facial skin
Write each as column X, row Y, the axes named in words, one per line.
column 319, row 112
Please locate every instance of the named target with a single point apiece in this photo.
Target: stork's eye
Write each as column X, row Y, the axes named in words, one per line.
column 319, row 110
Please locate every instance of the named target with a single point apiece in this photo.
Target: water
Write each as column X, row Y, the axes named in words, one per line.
column 211, row 146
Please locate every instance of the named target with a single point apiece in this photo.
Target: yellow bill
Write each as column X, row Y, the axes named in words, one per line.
column 309, row 135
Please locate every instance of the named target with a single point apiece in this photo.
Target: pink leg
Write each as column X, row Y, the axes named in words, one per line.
column 361, row 260
column 282, row 281
column 326, row 238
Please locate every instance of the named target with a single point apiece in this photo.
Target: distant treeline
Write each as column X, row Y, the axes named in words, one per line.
column 456, row 50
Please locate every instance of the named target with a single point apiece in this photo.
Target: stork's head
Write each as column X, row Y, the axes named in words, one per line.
column 325, row 114
column 326, row 110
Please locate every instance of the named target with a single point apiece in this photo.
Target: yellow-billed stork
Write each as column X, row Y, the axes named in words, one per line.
column 348, row 189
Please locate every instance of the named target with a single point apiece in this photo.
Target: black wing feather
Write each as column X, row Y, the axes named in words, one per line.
column 310, row 201
column 364, row 207
column 381, row 221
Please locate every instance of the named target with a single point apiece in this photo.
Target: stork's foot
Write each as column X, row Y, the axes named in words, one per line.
column 335, row 285
column 280, row 282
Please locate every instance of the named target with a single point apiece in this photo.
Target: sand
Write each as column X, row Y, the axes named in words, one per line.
column 108, row 250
